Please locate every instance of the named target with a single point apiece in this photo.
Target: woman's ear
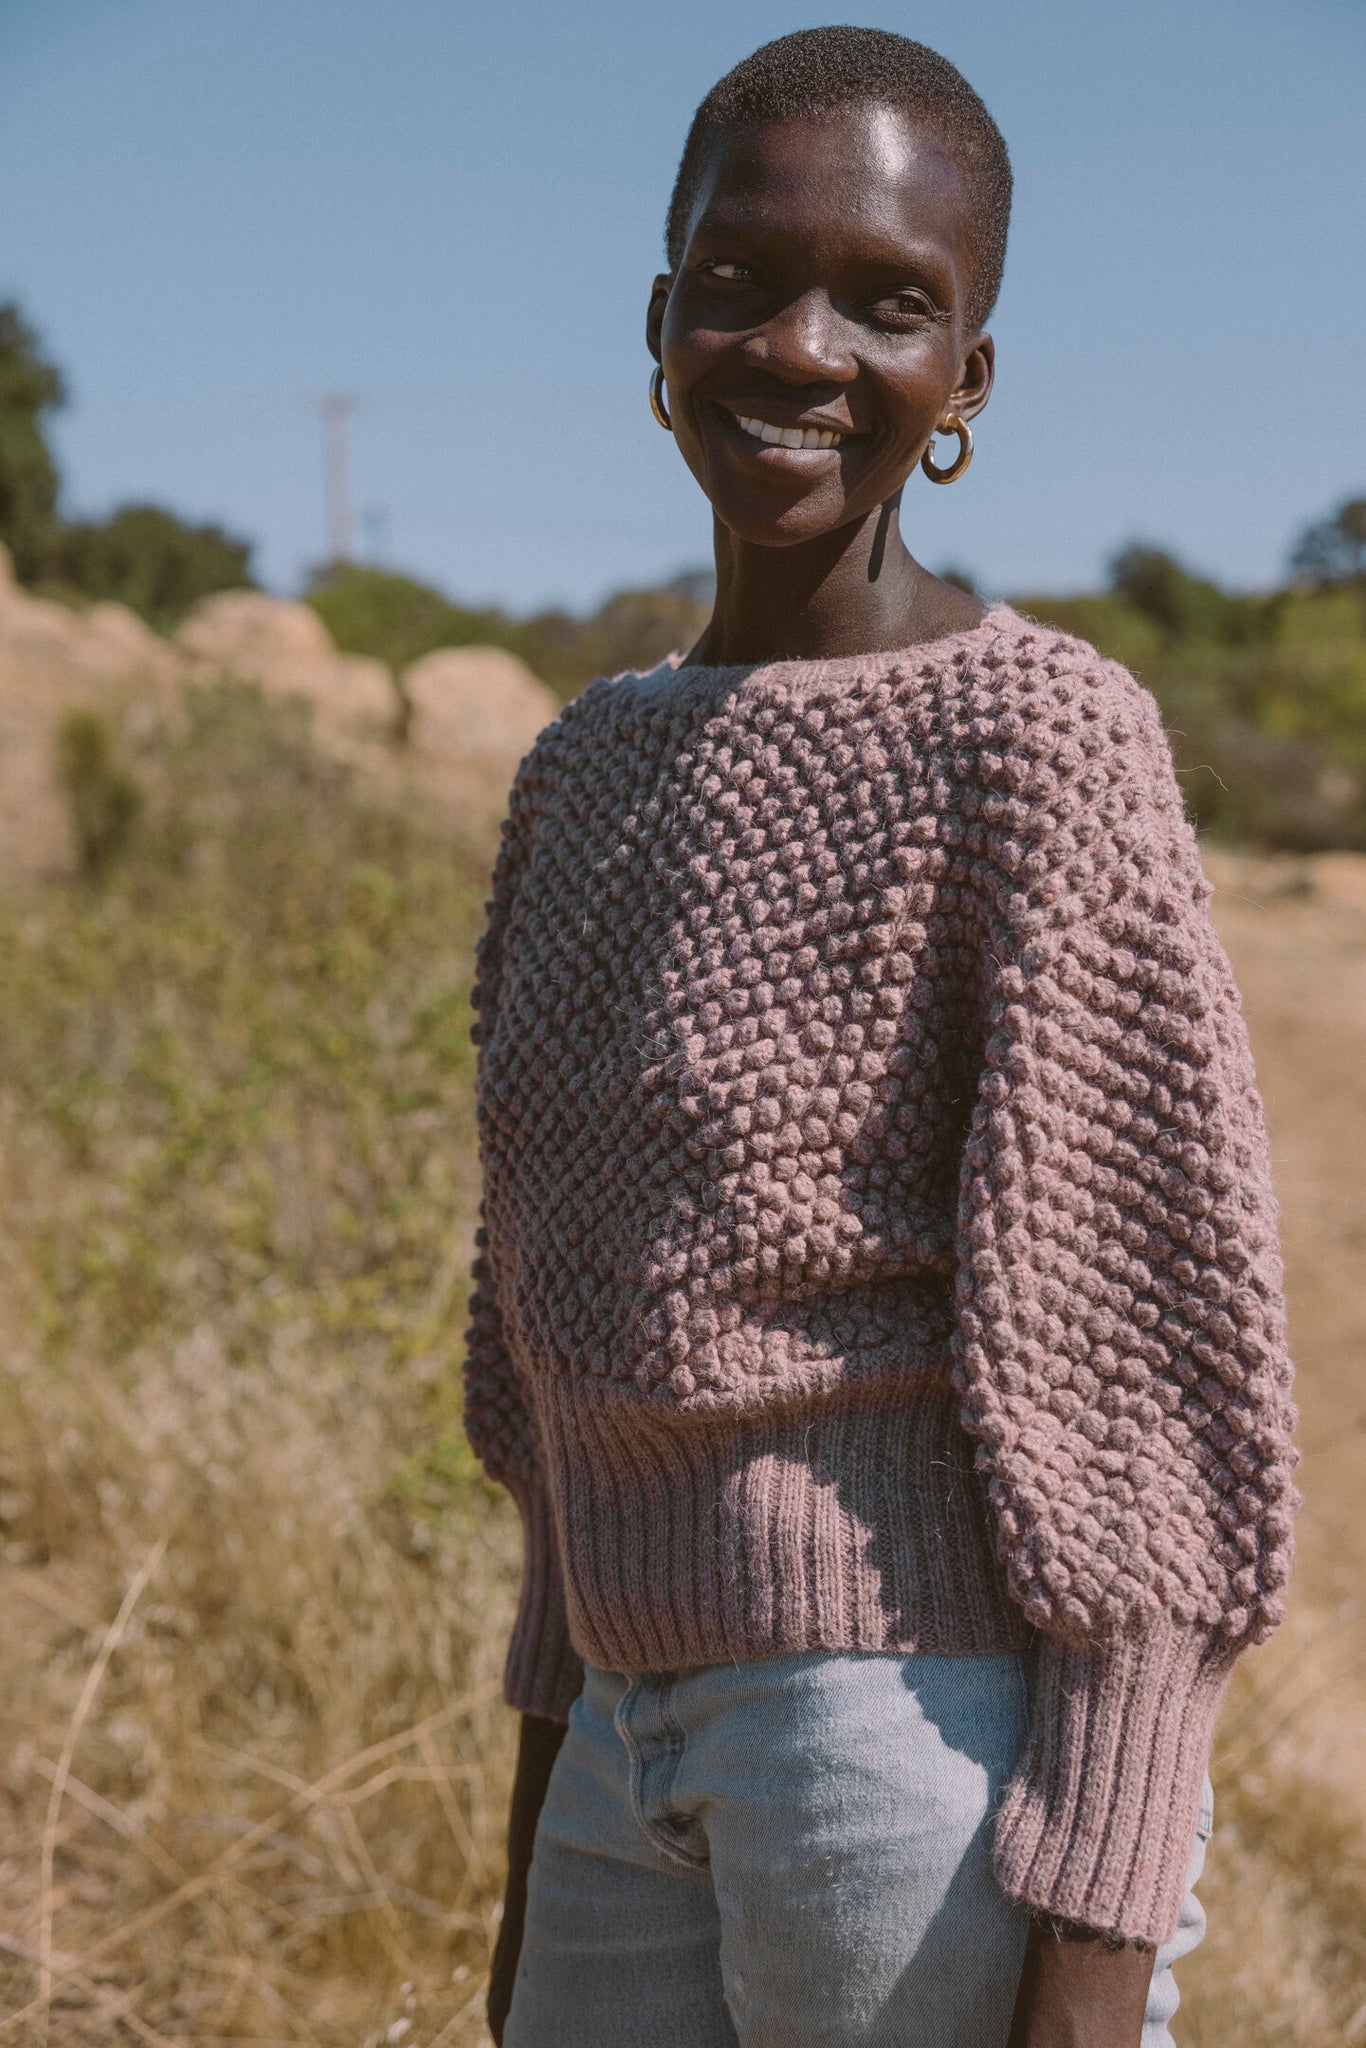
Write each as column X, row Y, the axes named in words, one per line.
column 654, row 318
column 975, row 379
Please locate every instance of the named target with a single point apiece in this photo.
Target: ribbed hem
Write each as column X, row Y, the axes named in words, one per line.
column 1098, row 1823
column 857, row 1523
column 544, row 1673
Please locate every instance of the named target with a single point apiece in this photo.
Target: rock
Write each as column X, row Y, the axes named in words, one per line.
column 350, row 688
column 106, row 643
column 246, row 633
column 288, row 650
column 120, row 630
column 115, row 644
column 476, row 704
column 474, row 710
column 34, row 629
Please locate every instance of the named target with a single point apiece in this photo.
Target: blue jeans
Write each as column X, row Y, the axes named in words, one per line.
column 792, row 1853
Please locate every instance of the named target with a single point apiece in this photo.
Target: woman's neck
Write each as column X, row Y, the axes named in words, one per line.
column 856, row 591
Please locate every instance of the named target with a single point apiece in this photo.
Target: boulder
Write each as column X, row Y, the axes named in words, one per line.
column 107, row 643
column 52, row 659
column 34, row 629
column 117, row 637
column 288, row 650
column 246, row 633
column 477, row 705
column 474, row 711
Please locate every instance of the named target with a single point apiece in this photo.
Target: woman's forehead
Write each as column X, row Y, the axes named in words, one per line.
column 870, row 163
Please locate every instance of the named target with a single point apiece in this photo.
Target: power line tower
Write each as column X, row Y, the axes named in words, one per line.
column 374, row 524
column 335, row 408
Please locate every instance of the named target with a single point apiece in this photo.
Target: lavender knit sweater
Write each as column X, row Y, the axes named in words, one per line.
column 878, row 1251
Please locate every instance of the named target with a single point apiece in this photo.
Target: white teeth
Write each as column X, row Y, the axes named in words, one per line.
column 789, row 437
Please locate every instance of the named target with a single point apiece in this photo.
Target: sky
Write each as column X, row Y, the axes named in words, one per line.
column 216, row 209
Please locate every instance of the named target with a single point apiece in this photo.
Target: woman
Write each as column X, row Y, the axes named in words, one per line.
column 877, row 1309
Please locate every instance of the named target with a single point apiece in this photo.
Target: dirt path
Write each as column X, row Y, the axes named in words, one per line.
column 1300, row 956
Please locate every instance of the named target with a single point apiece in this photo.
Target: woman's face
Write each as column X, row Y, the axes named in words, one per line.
column 821, row 291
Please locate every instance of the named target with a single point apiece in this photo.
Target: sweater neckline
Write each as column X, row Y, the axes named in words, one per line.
column 834, row 669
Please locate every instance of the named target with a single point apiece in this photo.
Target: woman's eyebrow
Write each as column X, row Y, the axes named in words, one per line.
column 863, row 245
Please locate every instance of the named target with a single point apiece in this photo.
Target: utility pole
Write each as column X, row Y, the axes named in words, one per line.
column 335, row 408
column 374, row 520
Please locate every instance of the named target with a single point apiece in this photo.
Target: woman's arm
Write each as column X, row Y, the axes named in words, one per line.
column 1120, row 1344
column 1079, row 1991
column 543, row 1673
column 537, row 1748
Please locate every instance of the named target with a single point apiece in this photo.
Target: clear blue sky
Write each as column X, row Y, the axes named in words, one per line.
column 213, row 207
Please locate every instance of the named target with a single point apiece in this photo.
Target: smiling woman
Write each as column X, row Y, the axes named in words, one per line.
column 878, row 1309
column 826, row 301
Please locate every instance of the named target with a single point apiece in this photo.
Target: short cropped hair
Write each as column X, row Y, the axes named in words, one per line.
column 818, row 69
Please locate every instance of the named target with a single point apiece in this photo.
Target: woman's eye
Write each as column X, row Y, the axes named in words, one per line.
column 904, row 306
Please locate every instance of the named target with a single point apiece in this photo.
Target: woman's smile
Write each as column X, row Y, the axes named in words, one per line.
column 793, row 437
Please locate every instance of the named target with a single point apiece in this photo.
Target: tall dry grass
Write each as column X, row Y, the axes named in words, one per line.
column 1283, row 1964
column 254, row 1594
column 235, row 1194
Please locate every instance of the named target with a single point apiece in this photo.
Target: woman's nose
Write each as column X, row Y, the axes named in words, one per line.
column 804, row 342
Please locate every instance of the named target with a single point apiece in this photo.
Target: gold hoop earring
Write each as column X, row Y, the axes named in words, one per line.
column 954, row 424
column 657, row 405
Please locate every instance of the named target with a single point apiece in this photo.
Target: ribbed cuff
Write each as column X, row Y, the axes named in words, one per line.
column 544, row 1673
column 1098, row 1823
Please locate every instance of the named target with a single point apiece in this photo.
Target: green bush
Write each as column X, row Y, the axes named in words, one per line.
column 251, row 1047
column 104, row 798
column 1264, row 701
column 396, row 618
column 150, row 560
column 30, row 387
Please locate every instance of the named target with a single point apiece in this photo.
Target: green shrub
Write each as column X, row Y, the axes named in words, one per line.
column 396, row 618
column 104, row 798
column 251, row 1046
column 1266, row 715
column 30, row 388
column 149, row 559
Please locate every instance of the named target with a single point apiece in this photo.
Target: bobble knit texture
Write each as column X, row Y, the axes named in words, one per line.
column 878, row 1250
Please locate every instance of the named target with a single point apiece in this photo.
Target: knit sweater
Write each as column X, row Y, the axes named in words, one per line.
column 877, row 1249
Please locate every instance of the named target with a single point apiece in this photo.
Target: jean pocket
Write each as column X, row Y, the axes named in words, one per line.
column 1204, row 1819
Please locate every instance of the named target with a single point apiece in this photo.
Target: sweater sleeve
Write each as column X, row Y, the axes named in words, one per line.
column 1121, row 1348
column 543, row 1673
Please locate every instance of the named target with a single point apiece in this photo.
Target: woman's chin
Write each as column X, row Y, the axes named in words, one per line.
column 780, row 518
column 772, row 502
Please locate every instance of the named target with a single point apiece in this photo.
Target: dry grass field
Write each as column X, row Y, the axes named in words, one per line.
column 1285, row 1959
column 252, row 1591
